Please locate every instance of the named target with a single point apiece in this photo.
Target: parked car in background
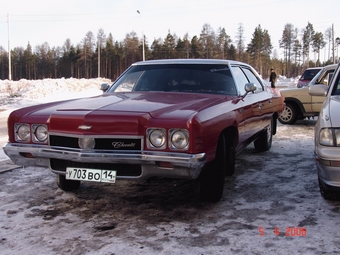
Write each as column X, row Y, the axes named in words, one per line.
column 165, row 118
column 307, row 76
column 327, row 137
column 299, row 104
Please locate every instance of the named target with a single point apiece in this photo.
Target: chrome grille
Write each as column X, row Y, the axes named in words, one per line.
column 101, row 143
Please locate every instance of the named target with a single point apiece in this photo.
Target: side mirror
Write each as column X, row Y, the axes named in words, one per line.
column 104, row 87
column 249, row 87
column 318, row 90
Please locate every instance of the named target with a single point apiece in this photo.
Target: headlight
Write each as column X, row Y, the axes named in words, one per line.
column 329, row 137
column 40, row 133
column 178, row 139
column 156, row 138
column 22, row 132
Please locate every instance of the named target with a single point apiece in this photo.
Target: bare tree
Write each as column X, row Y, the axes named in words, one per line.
column 101, row 40
column 131, row 44
column 240, row 41
column 88, row 49
column 337, row 44
column 329, row 35
column 207, row 39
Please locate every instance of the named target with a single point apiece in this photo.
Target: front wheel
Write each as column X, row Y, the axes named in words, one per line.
column 212, row 179
column 326, row 193
column 67, row 185
column 289, row 114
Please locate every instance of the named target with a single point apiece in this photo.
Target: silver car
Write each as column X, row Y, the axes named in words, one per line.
column 327, row 137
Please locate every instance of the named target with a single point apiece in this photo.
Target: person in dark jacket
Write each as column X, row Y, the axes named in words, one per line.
column 272, row 78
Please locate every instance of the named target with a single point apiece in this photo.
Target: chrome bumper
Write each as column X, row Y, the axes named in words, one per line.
column 327, row 172
column 186, row 166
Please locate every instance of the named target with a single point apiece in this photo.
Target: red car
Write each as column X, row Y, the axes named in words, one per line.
column 164, row 118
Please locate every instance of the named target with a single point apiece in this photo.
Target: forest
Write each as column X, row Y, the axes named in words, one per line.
column 100, row 56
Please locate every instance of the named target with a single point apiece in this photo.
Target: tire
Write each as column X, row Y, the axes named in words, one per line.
column 230, row 164
column 326, row 193
column 265, row 139
column 212, row 179
column 289, row 114
column 67, row 185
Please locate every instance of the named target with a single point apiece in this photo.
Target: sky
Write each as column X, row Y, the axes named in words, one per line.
column 55, row 21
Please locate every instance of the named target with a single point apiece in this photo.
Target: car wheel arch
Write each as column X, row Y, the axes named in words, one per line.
column 293, row 111
column 297, row 103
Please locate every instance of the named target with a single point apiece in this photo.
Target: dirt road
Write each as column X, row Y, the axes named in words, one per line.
column 271, row 205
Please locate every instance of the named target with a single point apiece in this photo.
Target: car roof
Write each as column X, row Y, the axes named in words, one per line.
column 189, row 61
column 333, row 66
column 311, row 68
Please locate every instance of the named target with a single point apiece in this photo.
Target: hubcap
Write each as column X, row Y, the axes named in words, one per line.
column 286, row 115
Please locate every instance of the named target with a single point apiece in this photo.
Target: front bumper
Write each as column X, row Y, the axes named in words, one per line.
column 178, row 165
column 328, row 171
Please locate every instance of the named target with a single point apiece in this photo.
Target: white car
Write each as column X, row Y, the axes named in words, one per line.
column 327, row 137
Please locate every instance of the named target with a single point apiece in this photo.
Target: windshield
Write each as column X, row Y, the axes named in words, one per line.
column 194, row 78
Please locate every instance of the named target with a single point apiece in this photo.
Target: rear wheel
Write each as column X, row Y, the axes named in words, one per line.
column 212, row 179
column 264, row 141
column 289, row 114
column 67, row 185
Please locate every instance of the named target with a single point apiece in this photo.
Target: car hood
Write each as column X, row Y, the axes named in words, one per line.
column 158, row 105
column 119, row 112
column 294, row 92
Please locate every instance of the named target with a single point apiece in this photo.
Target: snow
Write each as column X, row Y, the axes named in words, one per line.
column 22, row 93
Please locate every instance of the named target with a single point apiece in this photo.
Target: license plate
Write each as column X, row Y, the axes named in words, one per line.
column 93, row 175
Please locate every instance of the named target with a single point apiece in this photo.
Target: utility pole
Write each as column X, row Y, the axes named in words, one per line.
column 9, row 53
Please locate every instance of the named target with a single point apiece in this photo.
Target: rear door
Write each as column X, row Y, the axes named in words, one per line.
column 263, row 104
column 257, row 106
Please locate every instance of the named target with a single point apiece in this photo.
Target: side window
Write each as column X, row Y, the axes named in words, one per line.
column 240, row 79
column 336, row 88
column 327, row 77
column 253, row 79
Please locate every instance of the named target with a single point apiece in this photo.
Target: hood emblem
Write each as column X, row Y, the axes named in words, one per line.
column 84, row 127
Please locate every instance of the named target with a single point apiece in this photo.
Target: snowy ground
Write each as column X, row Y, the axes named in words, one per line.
column 17, row 94
column 271, row 205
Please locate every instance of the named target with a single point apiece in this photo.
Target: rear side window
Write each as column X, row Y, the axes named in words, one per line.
column 240, row 79
column 309, row 74
column 244, row 75
column 253, row 79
